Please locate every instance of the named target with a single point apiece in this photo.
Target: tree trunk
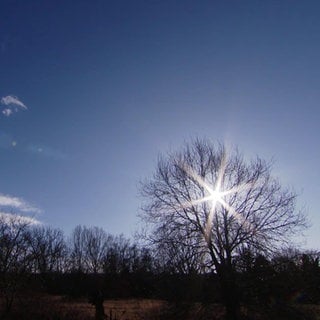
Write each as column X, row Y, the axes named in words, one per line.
column 230, row 293
column 97, row 300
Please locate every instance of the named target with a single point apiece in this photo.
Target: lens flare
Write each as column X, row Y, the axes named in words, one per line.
column 216, row 197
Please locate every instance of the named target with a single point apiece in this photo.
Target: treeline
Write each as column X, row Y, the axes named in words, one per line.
column 41, row 258
column 90, row 260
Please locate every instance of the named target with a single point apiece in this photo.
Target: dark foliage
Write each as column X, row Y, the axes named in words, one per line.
column 265, row 285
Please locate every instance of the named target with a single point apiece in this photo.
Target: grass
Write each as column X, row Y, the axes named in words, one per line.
column 47, row 307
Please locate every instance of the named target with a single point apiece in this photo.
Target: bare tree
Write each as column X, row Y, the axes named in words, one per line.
column 180, row 256
column 96, row 246
column 77, row 249
column 15, row 256
column 88, row 249
column 48, row 249
column 217, row 203
column 118, row 256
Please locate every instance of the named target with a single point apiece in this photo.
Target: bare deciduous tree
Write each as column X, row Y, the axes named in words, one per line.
column 77, row 250
column 48, row 249
column 180, row 256
column 96, row 240
column 15, row 256
column 88, row 249
column 217, row 203
column 118, row 255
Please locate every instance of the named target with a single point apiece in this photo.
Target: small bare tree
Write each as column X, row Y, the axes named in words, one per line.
column 77, row 249
column 118, row 255
column 15, row 256
column 88, row 249
column 217, row 203
column 48, row 249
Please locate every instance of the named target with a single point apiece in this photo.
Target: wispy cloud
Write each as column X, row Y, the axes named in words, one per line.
column 24, row 212
column 7, row 112
column 15, row 203
column 11, row 104
column 13, row 100
column 10, row 218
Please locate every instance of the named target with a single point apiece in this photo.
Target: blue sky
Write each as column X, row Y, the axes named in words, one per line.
column 105, row 86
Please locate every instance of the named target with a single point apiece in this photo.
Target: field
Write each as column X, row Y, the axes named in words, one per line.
column 47, row 307
column 60, row 308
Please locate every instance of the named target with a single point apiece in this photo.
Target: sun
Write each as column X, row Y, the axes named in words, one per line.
column 216, row 197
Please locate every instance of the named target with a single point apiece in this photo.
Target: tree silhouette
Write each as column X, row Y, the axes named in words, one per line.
column 219, row 204
column 88, row 246
column 15, row 256
column 48, row 250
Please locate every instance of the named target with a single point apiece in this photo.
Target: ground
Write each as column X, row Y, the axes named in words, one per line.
column 47, row 307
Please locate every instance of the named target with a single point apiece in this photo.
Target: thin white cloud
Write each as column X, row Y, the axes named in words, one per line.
column 7, row 201
column 12, row 104
column 14, row 219
column 22, row 211
column 7, row 112
column 13, row 100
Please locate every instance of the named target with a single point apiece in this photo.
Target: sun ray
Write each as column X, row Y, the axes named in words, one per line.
column 216, row 196
column 237, row 215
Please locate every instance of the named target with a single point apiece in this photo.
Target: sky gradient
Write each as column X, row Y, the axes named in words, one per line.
column 93, row 91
